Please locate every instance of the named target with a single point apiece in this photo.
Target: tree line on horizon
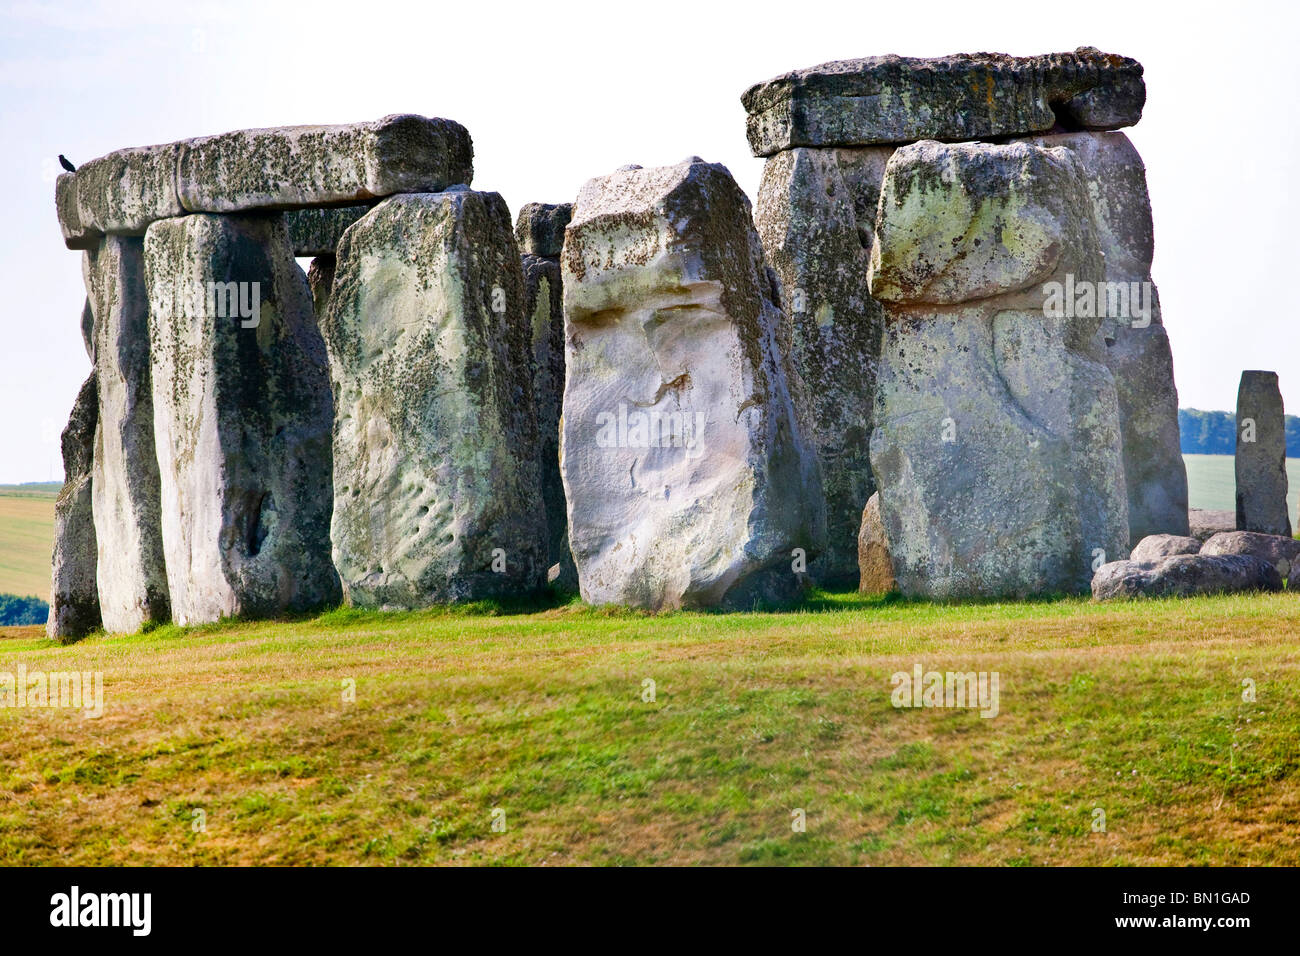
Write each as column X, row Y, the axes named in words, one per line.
column 16, row 610
column 1215, row 433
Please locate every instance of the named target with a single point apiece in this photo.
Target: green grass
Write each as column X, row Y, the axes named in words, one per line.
column 1212, row 483
column 26, row 539
column 1132, row 708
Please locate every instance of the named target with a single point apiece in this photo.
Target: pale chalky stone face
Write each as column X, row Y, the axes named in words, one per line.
column 1134, row 344
column 74, row 593
column 242, row 414
column 293, row 166
column 816, row 215
column 991, row 483
column 133, row 589
column 437, row 494
column 688, row 479
column 1261, row 455
column 893, row 99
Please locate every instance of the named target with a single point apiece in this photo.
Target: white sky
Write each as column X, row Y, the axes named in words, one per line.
column 556, row 93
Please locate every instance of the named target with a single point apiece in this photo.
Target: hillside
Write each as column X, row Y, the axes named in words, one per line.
column 26, row 538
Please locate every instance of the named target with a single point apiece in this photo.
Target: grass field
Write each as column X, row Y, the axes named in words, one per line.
column 26, row 539
column 1133, row 709
column 1212, row 484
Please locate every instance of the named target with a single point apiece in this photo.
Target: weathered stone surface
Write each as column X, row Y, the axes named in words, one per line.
column 437, row 492
column 123, row 192
column 242, row 413
column 1135, row 345
column 816, row 217
column 320, row 279
column 688, row 478
column 539, row 229
column 88, row 330
column 75, row 235
column 133, row 588
column 1185, row 575
column 1205, row 523
column 74, row 595
column 893, row 99
column 1261, row 456
column 544, row 306
column 316, row 232
column 877, row 568
column 991, row 483
column 1277, row 550
column 1156, row 547
column 294, row 166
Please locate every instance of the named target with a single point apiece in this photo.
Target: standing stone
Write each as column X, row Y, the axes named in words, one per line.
column 539, row 231
column 320, row 279
column 992, row 483
column 877, row 568
column 437, row 492
column 688, row 479
column 242, row 415
column 895, row 99
column 1135, row 346
column 1261, row 456
column 133, row 586
column 816, row 216
column 74, row 595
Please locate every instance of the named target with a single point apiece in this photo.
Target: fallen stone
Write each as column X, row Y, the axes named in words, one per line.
column 74, row 594
column 123, row 192
column 1156, row 547
column 877, row 568
column 539, row 229
column 243, row 416
column 1185, row 575
column 688, row 479
column 133, row 588
column 293, row 166
column 316, row 232
column 816, row 216
column 1135, row 346
column 1205, row 524
column 991, row 484
column 1261, row 456
column 893, row 99
column 436, row 481
column 544, row 306
column 1276, row 550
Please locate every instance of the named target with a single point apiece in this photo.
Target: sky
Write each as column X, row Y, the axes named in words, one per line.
column 554, row 94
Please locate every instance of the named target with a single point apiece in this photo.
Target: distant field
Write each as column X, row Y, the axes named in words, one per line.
column 1211, row 484
column 26, row 538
